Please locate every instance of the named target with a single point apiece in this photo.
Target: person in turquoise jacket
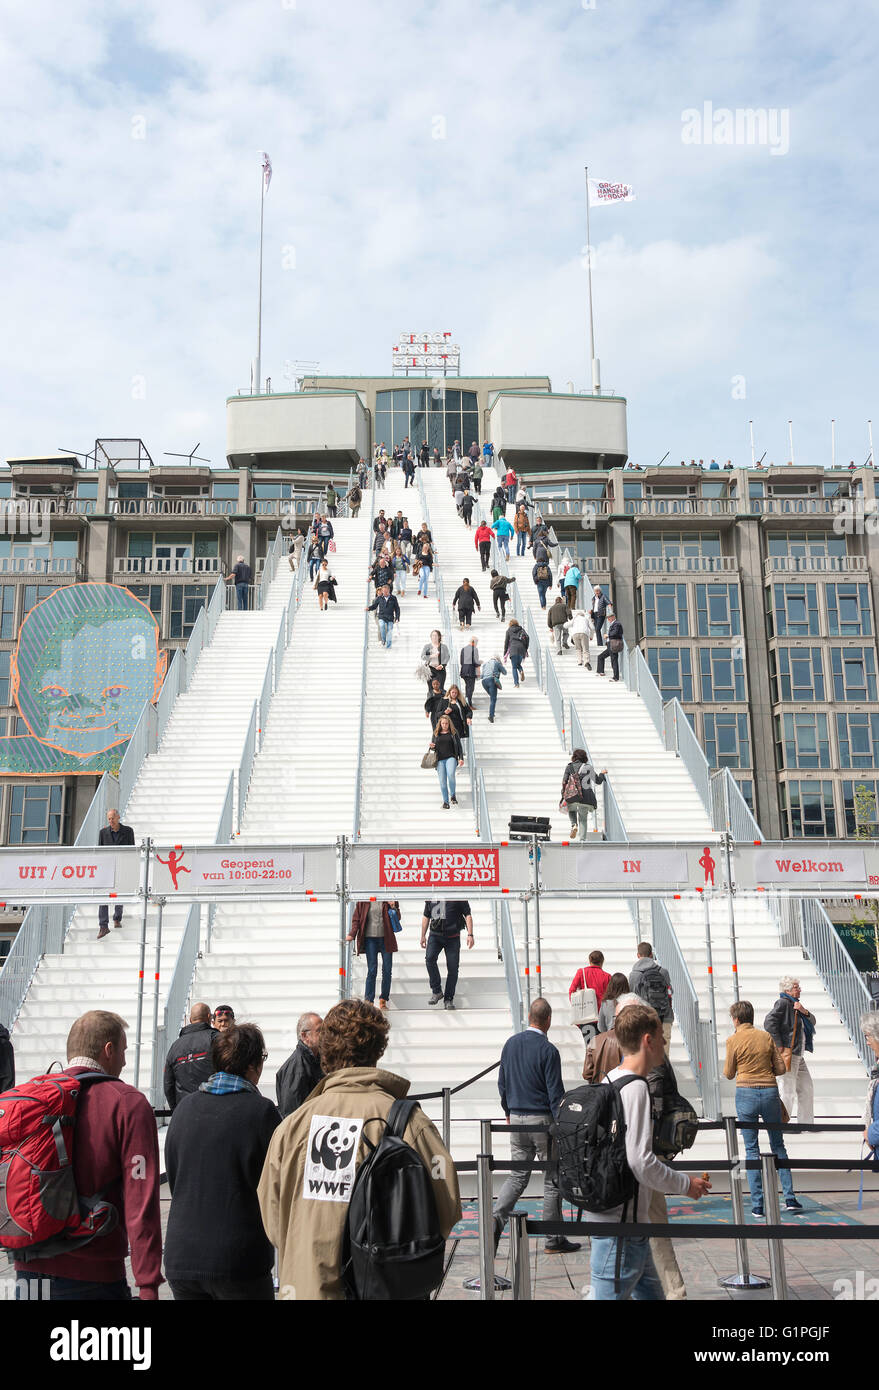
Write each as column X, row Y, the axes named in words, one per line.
column 503, row 530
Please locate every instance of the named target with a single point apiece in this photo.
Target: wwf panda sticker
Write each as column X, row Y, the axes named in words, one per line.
column 330, row 1158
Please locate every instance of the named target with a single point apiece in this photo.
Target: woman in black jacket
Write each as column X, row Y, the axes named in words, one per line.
column 459, row 711
column 325, row 583
column 464, row 600
column 449, row 757
column 216, row 1247
column 579, row 781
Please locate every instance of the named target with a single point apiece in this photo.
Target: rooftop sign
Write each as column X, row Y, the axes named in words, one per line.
column 427, row 353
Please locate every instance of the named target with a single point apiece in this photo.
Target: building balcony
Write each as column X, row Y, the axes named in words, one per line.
column 38, row 507
column 814, row 564
column 686, row 564
column 596, row 567
column 207, row 565
column 551, row 508
column 286, row 506
column 172, row 506
column 680, row 506
column 57, row 566
column 796, row 506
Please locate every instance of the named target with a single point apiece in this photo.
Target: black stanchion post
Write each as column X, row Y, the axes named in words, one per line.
column 744, row 1279
column 486, row 1222
column 519, row 1255
column 777, row 1271
column 447, row 1116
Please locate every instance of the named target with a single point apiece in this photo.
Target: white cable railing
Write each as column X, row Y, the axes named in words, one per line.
column 695, row 1031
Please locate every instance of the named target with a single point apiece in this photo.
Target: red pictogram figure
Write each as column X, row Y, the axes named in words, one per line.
column 708, row 864
column 174, row 864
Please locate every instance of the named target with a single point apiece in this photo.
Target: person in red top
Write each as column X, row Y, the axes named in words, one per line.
column 592, row 977
column 482, row 540
column 116, row 1154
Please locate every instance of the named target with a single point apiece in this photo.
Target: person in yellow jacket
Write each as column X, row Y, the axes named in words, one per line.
column 313, row 1156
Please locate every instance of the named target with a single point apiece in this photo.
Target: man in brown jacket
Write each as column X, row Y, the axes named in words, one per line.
column 312, row 1159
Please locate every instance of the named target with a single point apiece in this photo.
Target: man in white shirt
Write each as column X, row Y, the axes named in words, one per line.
column 639, row 1033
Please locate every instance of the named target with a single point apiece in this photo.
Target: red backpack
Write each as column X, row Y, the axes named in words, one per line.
column 41, row 1212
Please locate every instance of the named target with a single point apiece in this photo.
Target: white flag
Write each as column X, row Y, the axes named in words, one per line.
column 267, row 170
column 602, row 191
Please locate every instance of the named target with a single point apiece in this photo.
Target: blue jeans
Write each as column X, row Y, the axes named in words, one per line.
column 490, row 689
column 104, row 914
column 423, row 579
column 521, row 542
column 638, row 1278
column 762, row 1103
column 385, row 631
column 504, row 543
column 313, row 566
column 241, row 591
column 542, row 586
column 516, row 663
column 511, row 494
column 437, row 942
column 29, row 1287
column 374, row 947
column 446, row 769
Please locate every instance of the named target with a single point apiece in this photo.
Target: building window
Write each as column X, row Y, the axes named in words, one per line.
column 807, row 808
column 726, row 740
column 439, row 417
column 796, row 610
column 800, row 545
column 670, row 667
column 186, row 600
column 151, row 595
column 746, row 787
column 858, row 736
column 722, row 674
column 854, row 673
column 133, row 490
column 5, row 658
column 34, row 594
column 7, row 610
column 802, row 740
column 227, row 492
column 36, row 816
column 267, row 492
column 717, row 610
column 848, row 610
column 797, row 674
column 665, row 610
column 672, row 545
column 859, row 807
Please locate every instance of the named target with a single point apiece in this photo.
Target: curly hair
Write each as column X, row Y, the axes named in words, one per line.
column 354, row 1034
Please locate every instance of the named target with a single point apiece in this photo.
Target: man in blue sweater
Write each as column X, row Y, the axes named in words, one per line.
column 531, row 1089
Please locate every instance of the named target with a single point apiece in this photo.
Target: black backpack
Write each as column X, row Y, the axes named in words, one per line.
column 652, row 987
column 675, row 1123
column 590, row 1131
column 392, row 1247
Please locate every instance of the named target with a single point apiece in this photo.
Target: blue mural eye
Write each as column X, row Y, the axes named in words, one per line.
column 112, row 691
column 55, row 691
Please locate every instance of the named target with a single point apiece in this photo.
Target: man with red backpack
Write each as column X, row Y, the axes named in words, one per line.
column 112, row 1154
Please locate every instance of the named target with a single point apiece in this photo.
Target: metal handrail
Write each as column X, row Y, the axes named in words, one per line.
column 690, row 750
column 216, row 608
column 265, row 696
column 731, row 811
column 195, row 646
column 697, row 1039
column 556, row 698
column 141, row 744
column 174, row 1013
column 270, row 569
column 358, row 782
column 639, row 678
column 245, row 767
column 42, row 932
column 511, row 965
column 171, row 687
column 226, row 821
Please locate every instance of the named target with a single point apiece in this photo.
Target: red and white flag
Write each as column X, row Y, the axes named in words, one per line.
column 266, row 170
column 602, row 191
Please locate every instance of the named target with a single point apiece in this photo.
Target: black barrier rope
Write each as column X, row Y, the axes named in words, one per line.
column 704, row 1230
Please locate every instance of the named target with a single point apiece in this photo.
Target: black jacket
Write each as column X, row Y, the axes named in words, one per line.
column 779, row 1024
column 599, row 608
column 517, row 642
column 558, row 614
column 614, row 632
column 214, row 1156
column 589, row 779
column 123, row 836
column 459, row 713
column 7, row 1061
column 242, row 573
column 297, row 1079
column 188, row 1063
column 447, row 746
column 465, row 599
column 388, row 608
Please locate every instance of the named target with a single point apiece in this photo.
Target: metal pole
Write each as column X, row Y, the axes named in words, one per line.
column 447, row 1116
column 343, row 917
column 262, row 200
column 711, row 999
column 519, row 1256
column 534, row 853
column 156, row 974
column 527, row 958
column 737, row 1176
column 486, row 1221
column 596, row 366
column 777, row 1270
column 832, row 443
column 870, row 438
column 146, row 850
column 753, row 450
column 790, row 435
column 732, row 913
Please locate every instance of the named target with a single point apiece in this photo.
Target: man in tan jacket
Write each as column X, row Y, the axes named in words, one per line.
column 312, row 1159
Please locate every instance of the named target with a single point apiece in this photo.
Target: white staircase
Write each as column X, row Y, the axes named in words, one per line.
column 178, row 796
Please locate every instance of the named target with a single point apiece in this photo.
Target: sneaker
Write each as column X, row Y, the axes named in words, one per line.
column 793, row 1205
column 104, row 931
column 491, row 719
column 450, row 1004
column 758, row 1213
column 561, row 1246
column 454, row 801
column 383, row 1003
column 588, row 665
column 445, row 806
column 434, row 999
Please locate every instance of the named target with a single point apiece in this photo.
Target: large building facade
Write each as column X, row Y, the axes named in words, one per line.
column 752, row 592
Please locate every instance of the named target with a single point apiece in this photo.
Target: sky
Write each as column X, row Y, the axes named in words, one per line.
column 429, row 175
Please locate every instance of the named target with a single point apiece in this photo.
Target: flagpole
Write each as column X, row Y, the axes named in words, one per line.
column 596, row 365
column 262, row 200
